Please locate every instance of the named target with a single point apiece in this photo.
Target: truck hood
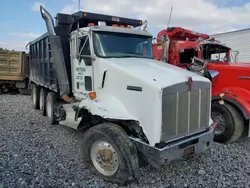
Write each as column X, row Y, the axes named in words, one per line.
column 159, row 73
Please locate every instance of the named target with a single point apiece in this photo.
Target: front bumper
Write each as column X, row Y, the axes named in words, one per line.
column 178, row 149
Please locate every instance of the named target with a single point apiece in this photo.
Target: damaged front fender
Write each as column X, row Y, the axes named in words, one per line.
column 107, row 108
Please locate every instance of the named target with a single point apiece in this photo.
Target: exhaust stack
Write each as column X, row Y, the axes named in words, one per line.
column 143, row 26
column 48, row 20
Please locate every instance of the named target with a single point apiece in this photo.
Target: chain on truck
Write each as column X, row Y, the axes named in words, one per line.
column 96, row 73
column 206, row 56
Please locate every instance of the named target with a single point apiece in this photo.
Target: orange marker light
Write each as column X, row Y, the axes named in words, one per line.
column 84, row 14
column 92, row 95
column 115, row 25
column 128, row 26
column 91, row 24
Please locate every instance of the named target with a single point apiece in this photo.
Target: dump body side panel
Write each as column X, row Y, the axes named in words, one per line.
column 47, row 66
column 14, row 65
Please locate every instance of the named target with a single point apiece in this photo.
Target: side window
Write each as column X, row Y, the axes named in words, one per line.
column 84, row 50
column 143, row 49
column 162, row 38
column 186, row 55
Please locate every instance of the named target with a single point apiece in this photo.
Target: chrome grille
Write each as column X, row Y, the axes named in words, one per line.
column 185, row 112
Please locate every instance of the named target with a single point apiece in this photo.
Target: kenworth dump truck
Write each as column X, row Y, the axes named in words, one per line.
column 96, row 73
column 230, row 106
column 14, row 71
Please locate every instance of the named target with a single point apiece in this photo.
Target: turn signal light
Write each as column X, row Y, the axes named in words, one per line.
column 92, row 95
column 115, row 25
column 91, row 24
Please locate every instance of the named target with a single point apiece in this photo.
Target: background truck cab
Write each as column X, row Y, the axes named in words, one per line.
column 230, row 87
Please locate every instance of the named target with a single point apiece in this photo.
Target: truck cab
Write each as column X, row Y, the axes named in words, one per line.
column 230, row 91
column 96, row 74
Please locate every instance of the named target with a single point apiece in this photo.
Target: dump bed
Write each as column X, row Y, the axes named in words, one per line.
column 14, row 65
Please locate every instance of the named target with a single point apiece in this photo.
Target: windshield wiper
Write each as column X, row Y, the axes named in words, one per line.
column 125, row 56
column 133, row 53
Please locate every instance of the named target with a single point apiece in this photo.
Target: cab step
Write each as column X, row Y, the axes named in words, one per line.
column 70, row 110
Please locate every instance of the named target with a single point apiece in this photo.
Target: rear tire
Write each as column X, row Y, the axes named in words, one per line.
column 5, row 88
column 231, row 129
column 1, row 91
column 42, row 101
column 50, row 107
column 107, row 147
column 35, row 96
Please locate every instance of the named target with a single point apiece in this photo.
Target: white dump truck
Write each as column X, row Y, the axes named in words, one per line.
column 96, row 73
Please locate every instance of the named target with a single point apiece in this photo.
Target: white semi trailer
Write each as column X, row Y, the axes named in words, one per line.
column 96, row 73
column 239, row 42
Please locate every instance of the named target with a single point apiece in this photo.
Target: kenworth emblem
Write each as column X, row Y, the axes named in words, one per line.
column 189, row 83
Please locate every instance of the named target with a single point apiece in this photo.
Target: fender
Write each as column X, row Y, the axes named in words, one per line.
column 238, row 96
column 108, row 107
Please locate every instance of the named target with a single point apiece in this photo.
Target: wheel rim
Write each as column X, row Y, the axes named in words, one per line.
column 104, row 158
column 218, row 117
column 48, row 109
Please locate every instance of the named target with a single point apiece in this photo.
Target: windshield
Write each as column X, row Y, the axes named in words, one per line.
column 215, row 52
column 118, row 45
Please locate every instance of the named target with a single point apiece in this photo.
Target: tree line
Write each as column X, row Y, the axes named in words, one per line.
column 5, row 49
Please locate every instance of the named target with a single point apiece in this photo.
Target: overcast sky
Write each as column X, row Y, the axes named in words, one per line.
column 21, row 22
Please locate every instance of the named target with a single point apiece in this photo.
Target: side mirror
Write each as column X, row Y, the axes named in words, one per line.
column 213, row 73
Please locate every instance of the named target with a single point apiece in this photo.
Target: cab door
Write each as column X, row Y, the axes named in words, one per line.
column 82, row 70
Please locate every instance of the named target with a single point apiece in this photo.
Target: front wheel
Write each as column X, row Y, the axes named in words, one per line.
column 110, row 154
column 230, row 122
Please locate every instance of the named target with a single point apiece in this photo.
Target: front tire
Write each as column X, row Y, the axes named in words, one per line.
column 110, row 154
column 50, row 107
column 230, row 123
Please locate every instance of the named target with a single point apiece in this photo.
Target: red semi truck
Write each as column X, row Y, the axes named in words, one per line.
column 230, row 106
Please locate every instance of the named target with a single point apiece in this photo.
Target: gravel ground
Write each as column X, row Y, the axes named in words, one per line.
column 36, row 154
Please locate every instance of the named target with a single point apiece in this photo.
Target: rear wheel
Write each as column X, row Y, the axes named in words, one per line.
column 110, row 154
column 50, row 107
column 42, row 101
column 230, row 123
column 1, row 91
column 5, row 88
column 35, row 95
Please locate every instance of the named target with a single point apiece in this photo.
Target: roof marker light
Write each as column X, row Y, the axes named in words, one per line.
column 101, row 23
column 91, row 24
column 129, row 26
